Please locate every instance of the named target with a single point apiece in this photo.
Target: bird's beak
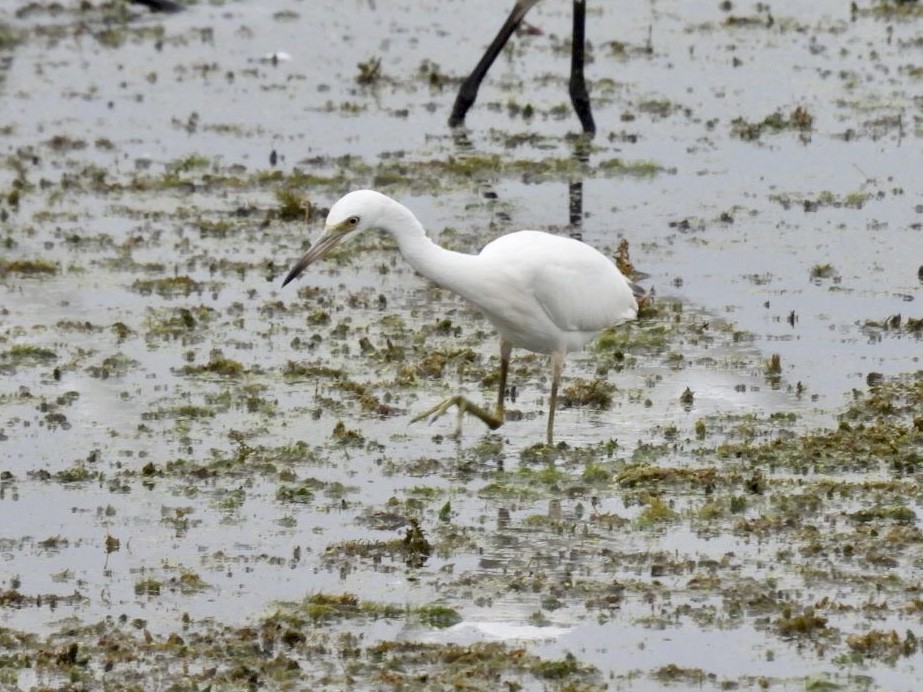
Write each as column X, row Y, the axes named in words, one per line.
column 327, row 242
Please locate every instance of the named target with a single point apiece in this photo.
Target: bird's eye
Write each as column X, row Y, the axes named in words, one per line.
column 353, row 221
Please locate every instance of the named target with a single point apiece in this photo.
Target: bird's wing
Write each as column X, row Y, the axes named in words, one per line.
column 576, row 286
column 584, row 298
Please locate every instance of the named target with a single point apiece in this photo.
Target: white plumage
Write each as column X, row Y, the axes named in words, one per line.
column 542, row 292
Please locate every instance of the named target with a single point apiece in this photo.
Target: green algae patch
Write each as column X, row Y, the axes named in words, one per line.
column 217, row 365
column 338, row 380
column 656, row 512
column 438, row 616
column 293, row 205
column 414, row 548
column 879, row 430
column 177, row 323
column 886, row 645
column 346, row 606
column 116, row 365
column 78, row 473
column 806, row 624
column 170, row 287
column 27, row 267
column 652, row 477
column 444, row 172
column 897, row 513
column 302, row 494
column 481, row 665
column 286, row 649
column 595, row 393
column 677, row 675
column 148, row 587
column 26, row 354
column 799, row 120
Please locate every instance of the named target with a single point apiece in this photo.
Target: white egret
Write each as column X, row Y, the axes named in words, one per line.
column 578, row 91
column 542, row 292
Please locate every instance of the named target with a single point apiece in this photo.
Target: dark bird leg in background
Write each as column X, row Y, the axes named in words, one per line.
column 160, row 5
column 578, row 91
column 469, row 88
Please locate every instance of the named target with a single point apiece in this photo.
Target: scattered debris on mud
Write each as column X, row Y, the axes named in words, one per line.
column 206, row 480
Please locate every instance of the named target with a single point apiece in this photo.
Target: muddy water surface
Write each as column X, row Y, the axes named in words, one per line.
column 207, row 479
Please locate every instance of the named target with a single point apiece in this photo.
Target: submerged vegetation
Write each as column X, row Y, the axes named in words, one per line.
column 209, row 481
column 800, row 120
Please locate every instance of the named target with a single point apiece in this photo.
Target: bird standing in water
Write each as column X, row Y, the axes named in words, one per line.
column 542, row 292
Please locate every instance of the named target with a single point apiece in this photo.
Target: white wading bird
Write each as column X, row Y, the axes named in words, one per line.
column 542, row 292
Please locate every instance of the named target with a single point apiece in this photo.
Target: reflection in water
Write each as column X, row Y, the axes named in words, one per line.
column 554, row 510
column 581, row 156
column 575, row 186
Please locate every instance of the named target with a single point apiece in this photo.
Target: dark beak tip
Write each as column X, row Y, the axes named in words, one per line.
column 317, row 251
column 293, row 274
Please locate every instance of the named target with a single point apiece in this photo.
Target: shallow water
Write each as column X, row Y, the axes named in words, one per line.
column 139, row 149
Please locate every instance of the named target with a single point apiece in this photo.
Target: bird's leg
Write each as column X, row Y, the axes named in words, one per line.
column 578, row 91
column 506, row 348
column 469, row 88
column 491, row 420
column 557, row 367
column 464, row 406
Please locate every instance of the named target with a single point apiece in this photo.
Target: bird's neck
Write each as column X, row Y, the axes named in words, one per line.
column 455, row 271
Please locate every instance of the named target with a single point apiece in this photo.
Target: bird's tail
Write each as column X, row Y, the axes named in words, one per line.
column 642, row 296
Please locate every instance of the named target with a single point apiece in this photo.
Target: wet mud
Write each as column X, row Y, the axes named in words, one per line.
column 209, row 481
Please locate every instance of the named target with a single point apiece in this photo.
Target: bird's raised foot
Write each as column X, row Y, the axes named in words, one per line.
column 491, row 420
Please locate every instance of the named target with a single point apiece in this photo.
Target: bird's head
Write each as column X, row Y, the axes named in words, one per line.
column 350, row 214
